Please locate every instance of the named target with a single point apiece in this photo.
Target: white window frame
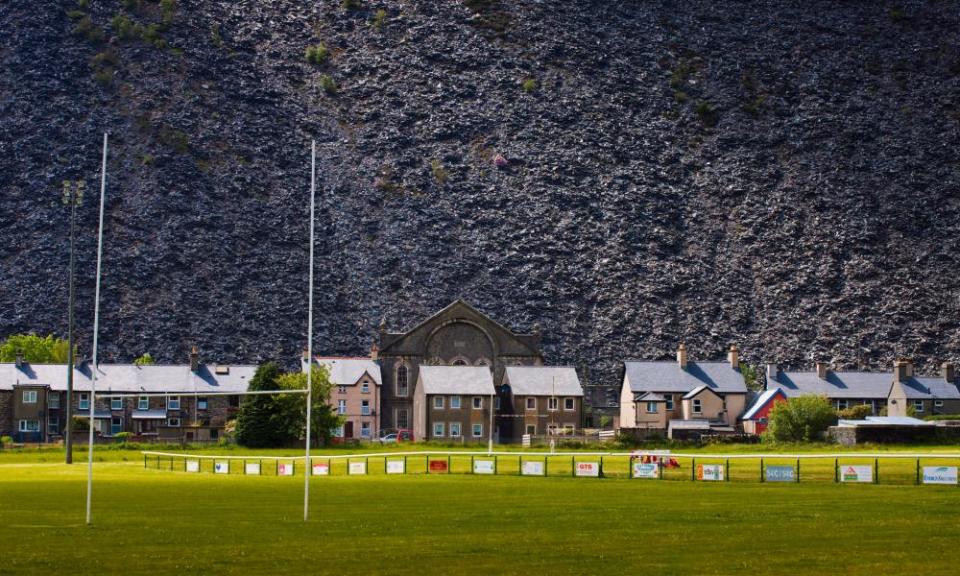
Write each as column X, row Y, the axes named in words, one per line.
column 454, row 429
column 697, row 406
column 842, row 404
column 405, row 391
column 669, row 405
column 53, row 400
column 173, row 402
column 438, row 426
column 53, row 425
column 438, row 402
column 478, row 402
column 116, row 404
column 203, row 403
column 454, row 402
column 531, row 400
column 552, row 429
column 553, row 404
column 365, row 430
column 572, row 402
column 918, row 405
column 341, row 407
column 364, row 407
column 406, row 417
column 118, row 425
column 25, row 426
column 477, row 430
column 651, row 407
column 29, row 397
column 173, row 422
column 938, row 403
column 143, row 403
column 533, row 432
column 365, row 388
column 571, row 427
column 83, row 401
column 341, row 389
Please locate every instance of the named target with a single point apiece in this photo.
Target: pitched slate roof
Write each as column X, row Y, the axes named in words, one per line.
column 348, row 371
column 762, row 401
column 457, row 380
column 668, row 377
column 921, row 388
column 875, row 385
column 543, row 381
column 130, row 378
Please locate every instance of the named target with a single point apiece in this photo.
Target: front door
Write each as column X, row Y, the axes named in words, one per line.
column 348, row 429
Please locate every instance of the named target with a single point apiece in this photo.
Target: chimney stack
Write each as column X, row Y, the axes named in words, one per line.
column 374, row 351
column 194, row 359
column 734, row 356
column 903, row 369
column 19, row 359
column 773, row 371
column 682, row 356
column 822, row 369
column 949, row 373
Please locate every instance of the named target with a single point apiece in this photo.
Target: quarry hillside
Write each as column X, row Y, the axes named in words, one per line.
column 628, row 175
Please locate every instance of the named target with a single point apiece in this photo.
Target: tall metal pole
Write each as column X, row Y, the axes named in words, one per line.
column 73, row 194
column 96, row 328
column 306, row 458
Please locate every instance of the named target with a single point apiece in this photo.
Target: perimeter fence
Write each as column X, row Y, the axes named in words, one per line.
column 884, row 468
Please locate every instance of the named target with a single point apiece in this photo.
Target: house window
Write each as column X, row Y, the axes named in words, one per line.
column 454, row 404
column 341, row 389
column 53, row 425
column 531, row 429
column 173, row 403
column 918, row 405
column 531, row 403
column 438, row 429
column 365, row 388
column 724, row 404
column 143, row 403
column 651, row 407
column 496, row 403
column 116, row 425
column 341, row 406
column 552, row 403
column 173, row 422
column 201, row 403
column 29, row 396
column 365, row 430
column 438, row 402
column 365, row 408
column 402, row 418
column 669, row 402
column 402, row 387
column 697, row 408
column 551, row 429
column 83, row 402
column 569, row 405
column 841, row 404
column 938, row 403
column 477, row 430
column 29, row 425
column 116, row 403
column 569, row 429
column 477, row 402
column 53, row 399
column 234, row 401
column 454, row 429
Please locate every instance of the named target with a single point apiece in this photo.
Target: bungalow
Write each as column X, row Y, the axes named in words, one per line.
column 453, row 403
column 538, row 400
column 654, row 394
column 355, row 395
column 924, row 395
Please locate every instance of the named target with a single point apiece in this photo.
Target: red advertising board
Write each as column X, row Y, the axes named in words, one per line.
column 438, row 465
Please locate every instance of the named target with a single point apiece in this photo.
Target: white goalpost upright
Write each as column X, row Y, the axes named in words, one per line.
column 306, row 457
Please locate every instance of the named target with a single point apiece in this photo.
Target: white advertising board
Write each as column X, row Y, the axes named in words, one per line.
column 252, row 469
column 221, row 467
column 532, row 468
column 395, row 467
column 321, row 469
column 357, row 468
column 856, row 473
column 939, row 474
column 710, row 472
column 587, row 469
column 484, row 467
column 285, row 469
column 646, row 470
column 525, row 440
column 193, row 465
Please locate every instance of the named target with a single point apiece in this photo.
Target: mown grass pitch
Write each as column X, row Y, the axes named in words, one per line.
column 156, row 522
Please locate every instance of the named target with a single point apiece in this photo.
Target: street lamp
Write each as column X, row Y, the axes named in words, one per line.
column 73, row 197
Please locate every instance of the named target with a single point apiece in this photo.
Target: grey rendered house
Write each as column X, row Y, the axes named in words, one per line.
column 539, row 400
column 454, row 403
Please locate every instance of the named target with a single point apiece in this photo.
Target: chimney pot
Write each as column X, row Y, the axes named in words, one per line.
column 374, row 351
column 949, row 372
column 773, row 371
column 822, row 370
column 734, row 356
column 682, row 356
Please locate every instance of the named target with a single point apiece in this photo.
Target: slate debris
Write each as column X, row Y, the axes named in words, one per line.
column 811, row 209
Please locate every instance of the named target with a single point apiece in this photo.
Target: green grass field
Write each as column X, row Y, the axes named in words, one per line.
column 149, row 521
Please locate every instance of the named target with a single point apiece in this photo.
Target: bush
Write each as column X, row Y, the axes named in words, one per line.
column 37, row 349
column 5, row 440
column 379, row 17
column 707, row 114
column 317, row 54
column 86, row 28
column 802, row 419
column 351, row 4
column 440, row 174
column 146, row 359
column 855, row 412
column 122, row 437
column 529, row 85
column 328, row 84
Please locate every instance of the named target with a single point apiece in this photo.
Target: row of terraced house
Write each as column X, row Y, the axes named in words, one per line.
column 456, row 376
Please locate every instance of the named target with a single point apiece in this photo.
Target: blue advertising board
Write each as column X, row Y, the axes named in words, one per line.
column 780, row 474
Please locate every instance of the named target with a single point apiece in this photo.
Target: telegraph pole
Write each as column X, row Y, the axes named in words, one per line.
column 73, row 197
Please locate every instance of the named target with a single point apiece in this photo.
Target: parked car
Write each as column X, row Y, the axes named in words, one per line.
column 398, row 436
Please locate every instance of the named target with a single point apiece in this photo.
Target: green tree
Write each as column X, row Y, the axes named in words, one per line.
column 290, row 413
column 254, row 426
column 805, row 418
column 35, row 349
column 145, row 360
column 750, row 376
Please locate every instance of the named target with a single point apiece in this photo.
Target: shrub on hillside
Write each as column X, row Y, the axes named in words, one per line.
column 317, row 54
column 801, row 419
column 855, row 412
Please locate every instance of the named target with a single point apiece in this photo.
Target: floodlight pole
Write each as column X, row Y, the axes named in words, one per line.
column 96, row 326
column 306, row 458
